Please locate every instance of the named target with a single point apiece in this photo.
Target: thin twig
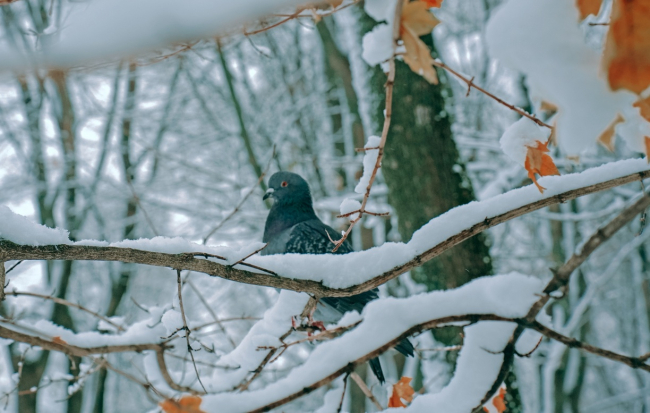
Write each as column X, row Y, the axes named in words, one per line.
column 299, row 14
column 345, row 385
column 243, row 200
column 248, row 256
column 187, row 329
column 634, row 362
column 470, row 84
column 137, row 201
column 214, row 315
column 366, row 391
column 13, row 266
column 325, row 335
column 69, row 304
column 388, row 111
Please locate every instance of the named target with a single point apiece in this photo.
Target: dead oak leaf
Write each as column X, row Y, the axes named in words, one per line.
column 626, row 59
column 417, row 21
column 498, row 401
column 402, row 390
column 186, row 404
column 433, row 3
column 587, row 7
column 58, row 340
column 644, row 107
column 607, row 138
column 539, row 162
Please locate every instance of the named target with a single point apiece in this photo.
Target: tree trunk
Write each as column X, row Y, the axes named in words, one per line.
column 426, row 177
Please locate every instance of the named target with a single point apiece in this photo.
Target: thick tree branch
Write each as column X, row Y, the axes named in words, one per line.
column 187, row 261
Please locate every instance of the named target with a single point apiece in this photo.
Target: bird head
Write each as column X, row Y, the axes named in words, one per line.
column 286, row 188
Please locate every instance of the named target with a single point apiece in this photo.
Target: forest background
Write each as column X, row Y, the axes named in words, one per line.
column 158, row 130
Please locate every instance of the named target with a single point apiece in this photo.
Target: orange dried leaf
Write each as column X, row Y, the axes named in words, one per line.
column 607, row 137
column 498, row 402
column 334, row 3
column 186, row 404
column 417, row 17
column 402, row 390
column 433, row 3
column 627, row 49
column 548, row 107
column 587, row 7
column 58, row 340
column 539, row 162
column 647, row 147
column 417, row 21
column 644, row 107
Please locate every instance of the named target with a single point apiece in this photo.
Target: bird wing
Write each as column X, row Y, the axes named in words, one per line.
column 311, row 237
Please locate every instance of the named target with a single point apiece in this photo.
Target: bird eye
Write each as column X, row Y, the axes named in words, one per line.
column 284, row 184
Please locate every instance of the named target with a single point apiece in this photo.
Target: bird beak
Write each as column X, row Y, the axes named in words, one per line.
column 268, row 194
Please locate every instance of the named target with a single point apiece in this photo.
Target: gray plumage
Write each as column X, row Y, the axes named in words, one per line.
column 293, row 227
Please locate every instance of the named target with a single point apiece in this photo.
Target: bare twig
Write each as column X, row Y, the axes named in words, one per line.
column 345, row 386
column 214, row 315
column 388, row 112
column 300, row 13
column 137, row 201
column 366, row 391
column 243, row 200
column 470, row 84
column 69, row 304
column 634, row 362
column 325, row 335
column 243, row 386
column 162, row 365
column 186, row 328
column 3, row 276
column 248, row 256
column 13, row 266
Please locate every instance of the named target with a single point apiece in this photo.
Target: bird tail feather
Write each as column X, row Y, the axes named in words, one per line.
column 375, row 366
column 405, row 347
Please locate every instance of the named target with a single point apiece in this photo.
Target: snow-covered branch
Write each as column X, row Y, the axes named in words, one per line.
column 362, row 271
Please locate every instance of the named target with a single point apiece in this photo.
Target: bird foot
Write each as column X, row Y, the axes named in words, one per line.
column 307, row 324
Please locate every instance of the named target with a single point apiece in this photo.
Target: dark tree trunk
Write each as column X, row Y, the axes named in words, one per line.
column 426, row 177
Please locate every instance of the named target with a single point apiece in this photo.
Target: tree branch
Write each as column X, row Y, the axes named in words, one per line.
column 559, row 281
column 187, row 261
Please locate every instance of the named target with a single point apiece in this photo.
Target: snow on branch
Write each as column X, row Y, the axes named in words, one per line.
column 111, row 28
column 326, row 275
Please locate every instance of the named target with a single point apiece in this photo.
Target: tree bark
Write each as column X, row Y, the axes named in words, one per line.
column 426, row 177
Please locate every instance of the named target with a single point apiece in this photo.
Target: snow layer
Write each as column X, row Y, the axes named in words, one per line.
column 141, row 332
column 377, row 44
column 508, row 295
column 369, row 162
column 24, row 231
column 346, row 270
column 542, row 39
column 108, row 28
column 266, row 332
column 519, row 135
column 350, row 205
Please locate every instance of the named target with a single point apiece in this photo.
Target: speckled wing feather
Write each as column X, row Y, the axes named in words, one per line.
column 310, row 237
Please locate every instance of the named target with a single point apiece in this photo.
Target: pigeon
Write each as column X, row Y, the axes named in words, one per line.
column 293, row 227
